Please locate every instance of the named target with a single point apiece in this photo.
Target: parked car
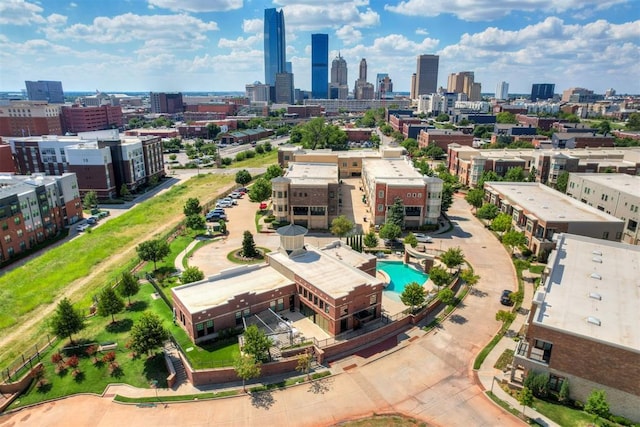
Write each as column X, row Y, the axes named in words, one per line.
column 263, row 206
column 236, row 195
column 230, row 200
column 423, row 238
column 243, row 190
column 505, row 298
column 82, row 227
column 215, row 216
column 224, row 203
column 92, row 220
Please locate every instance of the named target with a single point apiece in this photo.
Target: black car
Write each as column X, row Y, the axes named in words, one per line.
column 505, row 298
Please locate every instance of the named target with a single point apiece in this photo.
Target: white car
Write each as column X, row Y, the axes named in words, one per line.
column 224, row 204
column 423, row 238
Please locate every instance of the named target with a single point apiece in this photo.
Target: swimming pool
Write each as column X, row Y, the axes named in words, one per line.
column 401, row 274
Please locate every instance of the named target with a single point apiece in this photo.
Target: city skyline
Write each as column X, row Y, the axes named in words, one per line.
column 190, row 45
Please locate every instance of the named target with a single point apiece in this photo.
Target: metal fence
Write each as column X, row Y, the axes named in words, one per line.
column 27, row 360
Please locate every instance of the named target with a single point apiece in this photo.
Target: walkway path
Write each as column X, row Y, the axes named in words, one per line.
column 428, row 377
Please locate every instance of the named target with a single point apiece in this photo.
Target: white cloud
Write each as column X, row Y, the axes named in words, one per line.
column 197, row 5
column 56, row 19
column 72, row 4
column 240, row 43
column 252, row 26
column 349, row 35
column 328, row 14
column 487, row 10
column 20, row 12
column 422, row 32
column 170, row 29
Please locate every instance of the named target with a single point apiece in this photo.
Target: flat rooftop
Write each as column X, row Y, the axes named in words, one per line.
column 398, row 171
column 220, row 288
column 326, row 272
column 592, row 291
column 616, row 181
column 344, row 253
column 548, row 204
column 312, row 173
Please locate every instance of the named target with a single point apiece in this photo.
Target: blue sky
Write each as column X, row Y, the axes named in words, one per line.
column 217, row 45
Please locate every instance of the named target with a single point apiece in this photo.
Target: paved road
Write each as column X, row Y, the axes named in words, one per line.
column 429, row 377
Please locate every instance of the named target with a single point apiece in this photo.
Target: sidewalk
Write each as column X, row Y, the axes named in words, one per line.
column 488, row 375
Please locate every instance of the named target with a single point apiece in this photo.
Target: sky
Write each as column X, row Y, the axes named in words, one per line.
column 217, row 45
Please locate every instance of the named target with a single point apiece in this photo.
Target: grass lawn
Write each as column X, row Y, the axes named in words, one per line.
column 216, row 354
column 260, row 160
column 43, row 279
column 537, row 269
column 505, row 359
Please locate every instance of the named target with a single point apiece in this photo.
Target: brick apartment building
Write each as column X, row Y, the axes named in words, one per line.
column 333, row 286
column 580, row 140
column 34, row 209
column 305, row 111
column 544, row 123
column 30, row 118
column 614, row 193
column 541, row 212
column 6, row 159
column 103, row 161
column 583, row 323
column 442, row 138
column 77, row 118
column 166, row 103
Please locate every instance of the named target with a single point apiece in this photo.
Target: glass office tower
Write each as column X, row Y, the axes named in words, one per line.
column 274, row 45
column 319, row 66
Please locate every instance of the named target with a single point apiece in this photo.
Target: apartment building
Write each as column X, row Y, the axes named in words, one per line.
column 442, row 138
column 541, row 212
column 580, row 140
column 78, row 118
column 334, row 286
column 349, row 162
column 34, row 209
column 30, row 118
column 583, row 322
column 614, row 193
column 335, row 106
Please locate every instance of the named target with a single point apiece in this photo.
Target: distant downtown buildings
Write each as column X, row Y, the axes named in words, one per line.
column 274, row 45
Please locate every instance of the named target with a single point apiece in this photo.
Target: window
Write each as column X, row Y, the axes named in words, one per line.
column 381, row 194
column 280, row 305
column 605, row 235
column 380, row 207
column 541, row 351
column 19, row 233
column 315, row 300
column 326, row 308
column 344, row 310
column 7, row 238
column 373, row 299
column 238, row 318
column 304, row 292
column 16, row 220
column 272, row 305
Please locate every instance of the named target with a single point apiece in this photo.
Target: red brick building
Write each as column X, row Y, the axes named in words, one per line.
column 442, row 138
column 6, row 159
column 86, row 119
column 30, row 118
column 544, row 123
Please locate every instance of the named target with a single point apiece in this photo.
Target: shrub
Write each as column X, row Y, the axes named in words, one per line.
column 541, row 385
column 563, row 394
column 57, row 358
column 73, row 361
column 269, row 219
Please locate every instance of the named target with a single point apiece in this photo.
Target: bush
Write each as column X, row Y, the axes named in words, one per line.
column 527, row 253
column 226, row 161
column 541, row 385
column 269, row 219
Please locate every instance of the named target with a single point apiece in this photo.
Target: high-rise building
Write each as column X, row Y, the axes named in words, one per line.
column 257, row 92
column 426, row 75
column 363, row 89
column 463, row 82
column 502, row 90
column 274, row 45
column 44, row 90
column 338, row 88
column 363, row 70
column 284, row 88
column 319, row 66
column 542, row 91
column 412, row 92
column 30, row 118
column 166, row 103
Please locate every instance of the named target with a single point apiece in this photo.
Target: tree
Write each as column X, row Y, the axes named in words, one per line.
column 396, row 213
column 153, row 250
column 191, row 274
column 273, row 171
column 506, row 117
column 304, row 363
column 453, row 257
column 513, row 239
column 442, row 117
column 90, row 200
column 246, row 367
column 488, row 176
column 501, row 223
column 248, row 245
column 447, row 196
column 469, row 277
column 515, row 175
column 447, row 296
column 260, row 190
column 124, row 191
column 147, row 333
column 341, row 226
column 256, row 343
column 192, row 206
column 633, row 122
column 370, row 239
column 565, row 393
column 212, row 130
column 604, row 127
column 243, row 177
column 434, row 151
column 505, row 316
column 195, row 222
column 488, row 211
column 66, row 321
column 439, row 276
column 411, row 239
column 128, row 286
column 525, row 397
column 597, row 404
column 562, row 181
column 390, row 231
column 109, row 303
column 413, row 295
column 475, row 197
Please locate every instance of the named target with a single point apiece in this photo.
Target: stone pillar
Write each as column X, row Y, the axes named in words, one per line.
column 428, row 263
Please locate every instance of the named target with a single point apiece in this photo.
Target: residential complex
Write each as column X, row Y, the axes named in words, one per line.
column 34, row 209
column 334, row 286
column 103, row 161
column 614, row 193
column 583, row 323
column 541, row 212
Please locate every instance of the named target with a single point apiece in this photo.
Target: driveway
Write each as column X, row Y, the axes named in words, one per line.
column 429, row 376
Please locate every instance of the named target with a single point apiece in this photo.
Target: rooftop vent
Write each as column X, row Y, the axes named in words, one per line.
column 596, row 276
column 594, row 320
column 597, row 259
column 599, row 253
column 595, row 295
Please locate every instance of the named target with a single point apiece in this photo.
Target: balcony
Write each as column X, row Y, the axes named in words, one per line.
column 537, row 355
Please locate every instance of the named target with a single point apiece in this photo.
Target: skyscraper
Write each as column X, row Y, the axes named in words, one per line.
column 426, row 75
column 338, row 88
column 502, row 90
column 463, row 82
column 44, row 90
column 542, row 91
column 319, row 66
column 274, row 45
column 363, row 89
